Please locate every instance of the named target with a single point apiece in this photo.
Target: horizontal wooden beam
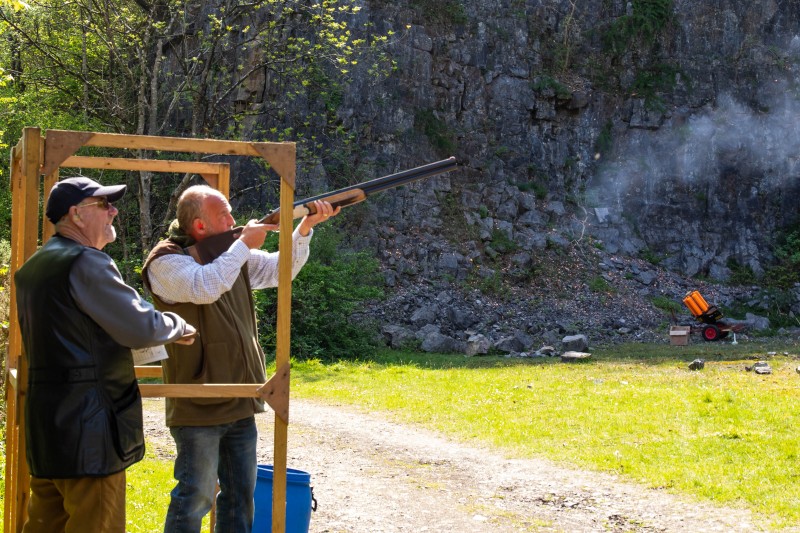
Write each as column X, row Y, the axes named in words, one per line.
column 177, row 144
column 207, row 390
column 148, row 371
column 154, row 165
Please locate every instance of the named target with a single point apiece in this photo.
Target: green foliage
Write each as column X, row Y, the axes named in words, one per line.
column 492, row 285
column 666, row 304
column 546, row 83
column 599, row 284
column 538, row 189
column 651, row 81
column 5, row 298
column 436, row 130
column 650, row 256
column 740, row 274
column 329, row 289
column 502, row 151
column 786, row 272
column 637, row 32
column 5, row 205
column 453, row 215
column 501, row 243
column 107, row 67
column 777, row 310
column 605, row 139
column 641, row 27
column 17, row 111
column 441, row 12
column 13, row 4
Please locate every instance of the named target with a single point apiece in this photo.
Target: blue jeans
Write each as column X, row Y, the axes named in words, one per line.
column 207, row 454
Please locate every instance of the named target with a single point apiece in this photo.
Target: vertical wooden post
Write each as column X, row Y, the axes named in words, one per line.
column 282, row 348
column 12, row 356
column 224, row 180
column 48, row 228
column 26, row 161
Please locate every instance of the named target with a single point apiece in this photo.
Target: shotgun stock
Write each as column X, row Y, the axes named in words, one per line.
column 212, row 247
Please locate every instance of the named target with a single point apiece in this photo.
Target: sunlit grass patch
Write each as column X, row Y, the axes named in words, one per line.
column 721, row 433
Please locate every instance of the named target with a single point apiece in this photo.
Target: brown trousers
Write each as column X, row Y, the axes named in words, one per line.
column 79, row 505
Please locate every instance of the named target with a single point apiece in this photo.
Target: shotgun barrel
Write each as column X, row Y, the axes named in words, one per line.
column 358, row 193
column 212, row 247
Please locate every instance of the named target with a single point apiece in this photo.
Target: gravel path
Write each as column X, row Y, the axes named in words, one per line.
column 373, row 476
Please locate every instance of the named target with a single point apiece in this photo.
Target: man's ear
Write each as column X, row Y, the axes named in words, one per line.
column 74, row 217
column 198, row 226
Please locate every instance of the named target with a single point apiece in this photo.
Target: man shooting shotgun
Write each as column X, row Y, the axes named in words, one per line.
column 211, row 247
column 212, row 289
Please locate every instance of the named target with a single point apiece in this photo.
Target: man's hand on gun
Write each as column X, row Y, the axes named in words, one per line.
column 323, row 211
column 253, row 234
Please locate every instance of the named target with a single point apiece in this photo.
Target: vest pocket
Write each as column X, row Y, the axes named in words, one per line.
column 128, row 430
column 111, row 437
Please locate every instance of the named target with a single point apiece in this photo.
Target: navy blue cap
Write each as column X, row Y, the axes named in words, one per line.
column 72, row 191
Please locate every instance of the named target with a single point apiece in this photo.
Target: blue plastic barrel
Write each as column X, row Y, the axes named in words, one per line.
column 299, row 497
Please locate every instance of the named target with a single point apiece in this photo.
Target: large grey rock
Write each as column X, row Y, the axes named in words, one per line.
column 477, row 345
column 424, row 315
column 461, row 318
column 576, row 343
column 516, row 342
column 426, row 330
column 397, row 336
column 437, row 343
column 758, row 323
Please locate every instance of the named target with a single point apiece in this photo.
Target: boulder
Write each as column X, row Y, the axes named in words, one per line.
column 397, row 336
column 437, row 343
column 477, row 345
column 576, row 343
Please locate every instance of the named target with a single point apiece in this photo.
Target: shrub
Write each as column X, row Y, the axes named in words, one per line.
column 786, row 271
column 667, row 304
column 502, row 243
column 328, row 290
column 436, row 130
column 599, row 284
column 740, row 274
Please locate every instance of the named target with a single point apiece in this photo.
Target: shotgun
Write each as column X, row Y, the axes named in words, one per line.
column 212, row 247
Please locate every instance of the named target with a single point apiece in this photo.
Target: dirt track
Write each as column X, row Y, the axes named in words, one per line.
column 373, row 476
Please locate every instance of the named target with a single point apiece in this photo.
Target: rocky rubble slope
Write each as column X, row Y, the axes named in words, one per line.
column 571, row 290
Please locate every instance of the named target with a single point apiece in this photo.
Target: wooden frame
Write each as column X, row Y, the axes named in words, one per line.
column 36, row 156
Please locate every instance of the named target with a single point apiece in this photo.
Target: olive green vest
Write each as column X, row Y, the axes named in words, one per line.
column 227, row 351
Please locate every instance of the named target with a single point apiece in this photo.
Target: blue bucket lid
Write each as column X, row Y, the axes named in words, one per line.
column 292, row 475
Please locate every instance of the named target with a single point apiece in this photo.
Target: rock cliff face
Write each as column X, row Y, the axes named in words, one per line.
column 655, row 128
column 681, row 142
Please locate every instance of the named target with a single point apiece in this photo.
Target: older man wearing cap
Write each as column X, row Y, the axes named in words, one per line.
column 79, row 322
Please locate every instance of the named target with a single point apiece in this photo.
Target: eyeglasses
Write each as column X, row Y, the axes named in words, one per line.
column 102, row 202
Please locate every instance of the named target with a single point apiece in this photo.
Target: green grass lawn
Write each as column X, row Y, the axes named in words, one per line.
column 722, row 433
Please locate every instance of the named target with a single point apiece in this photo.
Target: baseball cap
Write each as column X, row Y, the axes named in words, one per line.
column 71, row 191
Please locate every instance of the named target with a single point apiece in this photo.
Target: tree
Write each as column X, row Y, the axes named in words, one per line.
column 184, row 68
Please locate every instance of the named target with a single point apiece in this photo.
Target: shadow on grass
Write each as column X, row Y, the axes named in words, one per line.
column 640, row 353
